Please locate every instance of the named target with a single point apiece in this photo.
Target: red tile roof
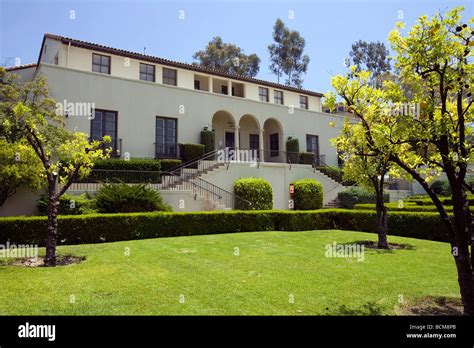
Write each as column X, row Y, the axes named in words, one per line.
column 24, row 66
column 172, row 63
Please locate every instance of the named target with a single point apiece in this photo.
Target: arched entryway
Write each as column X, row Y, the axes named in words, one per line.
column 249, row 133
column 274, row 145
column 223, row 125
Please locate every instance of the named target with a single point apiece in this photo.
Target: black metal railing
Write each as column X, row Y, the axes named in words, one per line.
column 192, row 182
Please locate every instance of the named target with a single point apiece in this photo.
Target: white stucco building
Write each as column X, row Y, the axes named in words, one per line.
column 149, row 105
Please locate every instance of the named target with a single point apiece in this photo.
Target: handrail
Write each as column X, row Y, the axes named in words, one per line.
column 194, row 161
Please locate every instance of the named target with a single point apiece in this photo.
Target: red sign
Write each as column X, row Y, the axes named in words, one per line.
column 292, row 188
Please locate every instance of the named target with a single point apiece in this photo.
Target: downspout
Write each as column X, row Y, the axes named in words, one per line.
column 68, row 47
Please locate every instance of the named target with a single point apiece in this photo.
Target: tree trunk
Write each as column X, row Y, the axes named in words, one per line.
column 51, row 242
column 462, row 257
column 382, row 218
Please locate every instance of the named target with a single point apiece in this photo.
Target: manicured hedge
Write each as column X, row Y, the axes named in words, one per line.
column 208, row 140
column 308, row 194
column 352, row 196
column 255, row 190
column 293, row 149
column 97, row 228
column 168, row 164
column 406, row 207
column 306, row 158
column 192, row 151
column 143, row 164
column 444, row 200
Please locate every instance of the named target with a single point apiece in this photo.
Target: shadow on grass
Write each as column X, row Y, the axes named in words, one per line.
column 369, row 308
column 371, row 245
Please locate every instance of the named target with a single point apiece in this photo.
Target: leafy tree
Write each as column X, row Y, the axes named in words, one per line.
column 367, row 168
column 286, row 54
column 371, row 56
column 64, row 155
column 228, row 58
column 435, row 60
column 19, row 166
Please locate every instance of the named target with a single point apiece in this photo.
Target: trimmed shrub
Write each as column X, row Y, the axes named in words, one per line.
column 124, row 198
column 306, row 158
column 168, row 164
column 255, row 190
column 292, row 150
column 97, row 228
column 308, row 194
column 352, row 196
column 69, row 204
column 191, row 152
column 142, row 164
column 407, row 206
column 441, row 188
column 208, row 140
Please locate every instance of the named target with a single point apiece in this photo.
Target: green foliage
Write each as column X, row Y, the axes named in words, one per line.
column 352, row 196
column 228, row 58
column 168, row 164
column 308, row 194
column 441, row 187
column 293, row 149
column 286, row 54
column 407, row 206
column 123, row 198
column 371, row 56
column 255, row 190
column 131, row 164
column 306, row 158
column 208, row 140
column 443, row 200
column 69, row 204
column 80, row 229
column 192, row 151
column 19, row 166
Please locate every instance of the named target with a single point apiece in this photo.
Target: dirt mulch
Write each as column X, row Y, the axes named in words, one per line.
column 62, row 260
column 433, row 306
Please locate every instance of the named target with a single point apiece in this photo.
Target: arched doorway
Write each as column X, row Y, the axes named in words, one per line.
column 250, row 136
column 274, row 145
column 223, row 125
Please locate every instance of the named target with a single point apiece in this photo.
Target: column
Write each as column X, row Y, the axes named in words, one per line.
column 229, row 87
column 261, row 141
column 236, row 143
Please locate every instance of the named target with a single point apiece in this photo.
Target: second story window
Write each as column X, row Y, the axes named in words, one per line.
column 100, row 63
column 169, row 76
column 278, row 97
column 263, row 94
column 147, row 72
column 303, row 102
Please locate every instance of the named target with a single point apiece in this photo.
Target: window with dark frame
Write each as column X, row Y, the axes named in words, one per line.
column 303, row 102
column 263, row 94
column 197, row 84
column 100, row 63
column 274, row 146
column 104, row 123
column 166, row 137
column 147, row 72
column 312, row 144
column 278, row 96
column 169, row 76
column 224, row 90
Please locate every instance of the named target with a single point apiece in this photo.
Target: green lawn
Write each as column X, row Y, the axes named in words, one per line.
column 272, row 268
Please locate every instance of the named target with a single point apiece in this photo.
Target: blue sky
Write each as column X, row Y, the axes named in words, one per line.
column 329, row 27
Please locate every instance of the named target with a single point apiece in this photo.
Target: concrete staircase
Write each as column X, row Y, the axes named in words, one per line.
column 335, row 203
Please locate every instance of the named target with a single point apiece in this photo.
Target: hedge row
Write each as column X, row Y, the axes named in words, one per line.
column 444, row 200
column 407, row 206
column 96, row 228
